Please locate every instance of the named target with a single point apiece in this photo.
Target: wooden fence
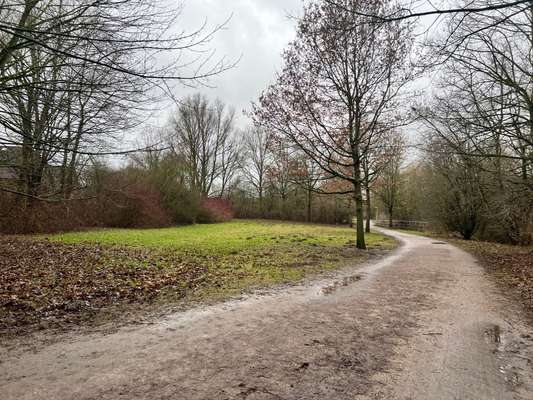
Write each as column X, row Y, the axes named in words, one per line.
column 411, row 225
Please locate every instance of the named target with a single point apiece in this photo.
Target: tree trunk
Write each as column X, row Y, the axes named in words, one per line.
column 390, row 218
column 309, row 204
column 360, row 222
column 368, row 209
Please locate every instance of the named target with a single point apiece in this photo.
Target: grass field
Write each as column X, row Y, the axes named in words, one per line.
column 224, row 238
column 77, row 274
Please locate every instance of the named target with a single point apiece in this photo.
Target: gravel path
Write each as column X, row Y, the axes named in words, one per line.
column 423, row 323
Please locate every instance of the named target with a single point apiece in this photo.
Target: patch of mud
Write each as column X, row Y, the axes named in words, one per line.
column 493, row 335
column 514, row 352
column 336, row 285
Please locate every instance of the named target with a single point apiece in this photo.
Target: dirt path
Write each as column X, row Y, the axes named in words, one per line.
column 424, row 323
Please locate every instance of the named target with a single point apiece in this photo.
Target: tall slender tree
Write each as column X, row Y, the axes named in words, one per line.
column 341, row 85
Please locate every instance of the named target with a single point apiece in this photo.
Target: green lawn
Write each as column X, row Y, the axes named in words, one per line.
column 82, row 274
column 225, row 238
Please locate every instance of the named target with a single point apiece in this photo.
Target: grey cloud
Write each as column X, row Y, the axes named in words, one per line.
column 258, row 32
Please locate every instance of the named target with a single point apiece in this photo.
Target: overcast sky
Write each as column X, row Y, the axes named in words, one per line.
column 257, row 33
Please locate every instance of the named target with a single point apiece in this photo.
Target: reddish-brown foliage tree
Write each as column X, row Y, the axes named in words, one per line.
column 340, row 88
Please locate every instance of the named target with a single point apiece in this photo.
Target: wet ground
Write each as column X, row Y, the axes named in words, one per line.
column 423, row 323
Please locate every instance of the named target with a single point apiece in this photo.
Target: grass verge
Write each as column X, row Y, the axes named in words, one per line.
column 75, row 277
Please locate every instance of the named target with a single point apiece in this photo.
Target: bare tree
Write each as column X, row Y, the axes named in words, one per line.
column 77, row 75
column 280, row 172
column 308, row 175
column 137, row 28
column 230, row 162
column 256, row 161
column 388, row 183
column 203, row 134
column 57, row 113
column 414, row 9
column 341, row 84
column 459, row 196
column 380, row 150
column 484, row 110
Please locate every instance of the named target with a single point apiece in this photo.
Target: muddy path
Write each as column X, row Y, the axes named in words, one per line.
column 423, row 323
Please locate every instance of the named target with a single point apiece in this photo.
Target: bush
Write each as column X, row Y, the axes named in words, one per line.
column 20, row 216
column 118, row 202
column 127, row 200
column 215, row 210
column 139, row 206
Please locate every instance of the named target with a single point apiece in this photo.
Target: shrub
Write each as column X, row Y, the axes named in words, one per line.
column 215, row 210
column 118, row 202
column 129, row 201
